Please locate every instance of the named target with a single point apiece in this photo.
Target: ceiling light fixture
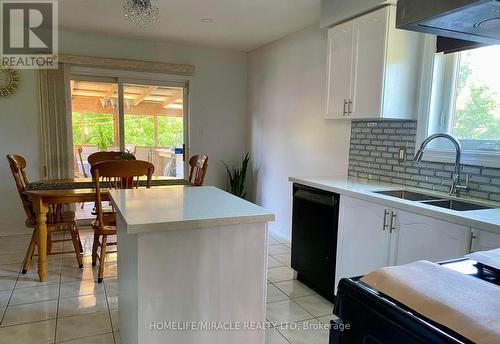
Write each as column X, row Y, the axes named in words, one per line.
column 207, row 20
column 141, row 12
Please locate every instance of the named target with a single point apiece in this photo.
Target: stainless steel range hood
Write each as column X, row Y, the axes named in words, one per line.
column 472, row 20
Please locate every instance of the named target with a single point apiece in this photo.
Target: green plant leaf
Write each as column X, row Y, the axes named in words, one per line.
column 237, row 176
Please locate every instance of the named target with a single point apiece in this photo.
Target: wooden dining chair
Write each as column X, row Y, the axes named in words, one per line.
column 116, row 174
column 198, row 165
column 57, row 219
column 94, row 158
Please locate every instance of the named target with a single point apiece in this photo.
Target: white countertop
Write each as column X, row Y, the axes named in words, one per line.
column 488, row 219
column 181, row 207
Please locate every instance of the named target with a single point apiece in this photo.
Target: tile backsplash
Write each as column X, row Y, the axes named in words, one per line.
column 374, row 155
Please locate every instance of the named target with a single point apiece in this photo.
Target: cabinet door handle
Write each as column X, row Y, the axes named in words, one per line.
column 472, row 237
column 386, row 226
column 349, row 111
column 393, row 223
column 345, row 104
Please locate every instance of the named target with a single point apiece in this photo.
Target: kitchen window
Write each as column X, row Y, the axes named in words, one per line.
column 465, row 102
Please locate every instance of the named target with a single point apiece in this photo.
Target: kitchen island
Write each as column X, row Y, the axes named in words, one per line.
column 192, row 265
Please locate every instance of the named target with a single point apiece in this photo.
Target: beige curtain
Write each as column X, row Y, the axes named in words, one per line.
column 55, row 122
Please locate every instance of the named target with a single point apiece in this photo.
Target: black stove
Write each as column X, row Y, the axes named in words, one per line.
column 475, row 269
column 375, row 318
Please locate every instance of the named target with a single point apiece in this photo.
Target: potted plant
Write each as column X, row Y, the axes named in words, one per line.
column 127, row 155
column 236, row 177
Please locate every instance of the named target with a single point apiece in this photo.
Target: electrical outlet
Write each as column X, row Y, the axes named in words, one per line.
column 402, row 154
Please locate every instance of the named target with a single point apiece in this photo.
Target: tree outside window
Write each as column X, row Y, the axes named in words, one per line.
column 476, row 115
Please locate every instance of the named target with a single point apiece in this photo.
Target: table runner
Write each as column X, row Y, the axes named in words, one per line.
column 63, row 185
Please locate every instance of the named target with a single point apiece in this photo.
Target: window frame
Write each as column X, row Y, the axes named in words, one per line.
column 469, row 157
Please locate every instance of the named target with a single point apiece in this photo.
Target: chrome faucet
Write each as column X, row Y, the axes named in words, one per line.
column 455, row 187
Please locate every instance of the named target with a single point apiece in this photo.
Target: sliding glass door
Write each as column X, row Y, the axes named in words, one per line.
column 154, row 126
column 94, row 115
column 147, row 119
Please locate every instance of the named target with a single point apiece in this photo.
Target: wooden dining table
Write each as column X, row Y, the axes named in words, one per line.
column 66, row 191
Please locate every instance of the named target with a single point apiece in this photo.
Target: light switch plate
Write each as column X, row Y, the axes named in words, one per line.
column 402, row 154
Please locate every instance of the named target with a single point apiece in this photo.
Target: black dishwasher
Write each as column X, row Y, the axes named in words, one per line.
column 314, row 238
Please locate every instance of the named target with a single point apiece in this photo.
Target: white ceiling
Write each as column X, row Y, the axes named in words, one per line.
column 241, row 25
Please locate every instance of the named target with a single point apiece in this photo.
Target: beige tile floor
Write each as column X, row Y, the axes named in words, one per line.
column 71, row 307
column 296, row 311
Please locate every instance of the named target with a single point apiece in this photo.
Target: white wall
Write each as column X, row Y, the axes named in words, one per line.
column 217, row 114
column 19, row 133
column 288, row 135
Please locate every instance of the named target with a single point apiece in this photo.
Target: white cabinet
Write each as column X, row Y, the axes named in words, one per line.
column 372, row 68
column 372, row 236
column 369, row 47
column 339, row 65
column 483, row 240
column 363, row 241
column 419, row 237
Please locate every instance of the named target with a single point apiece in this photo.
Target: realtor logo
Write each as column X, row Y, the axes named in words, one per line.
column 29, row 31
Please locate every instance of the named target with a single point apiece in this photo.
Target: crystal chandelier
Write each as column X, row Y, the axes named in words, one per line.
column 141, row 12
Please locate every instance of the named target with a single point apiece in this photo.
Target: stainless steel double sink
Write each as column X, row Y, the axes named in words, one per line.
column 452, row 204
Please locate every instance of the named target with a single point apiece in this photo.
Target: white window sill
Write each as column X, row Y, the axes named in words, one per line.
column 475, row 158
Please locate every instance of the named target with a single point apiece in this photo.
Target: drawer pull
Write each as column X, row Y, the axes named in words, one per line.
column 393, row 222
column 386, row 226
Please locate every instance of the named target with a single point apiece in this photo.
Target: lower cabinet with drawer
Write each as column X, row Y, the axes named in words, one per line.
column 372, row 236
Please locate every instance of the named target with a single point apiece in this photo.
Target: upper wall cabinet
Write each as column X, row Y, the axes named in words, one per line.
column 334, row 12
column 372, row 68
